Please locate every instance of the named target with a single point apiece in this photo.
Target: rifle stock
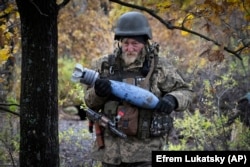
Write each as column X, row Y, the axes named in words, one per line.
column 99, row 135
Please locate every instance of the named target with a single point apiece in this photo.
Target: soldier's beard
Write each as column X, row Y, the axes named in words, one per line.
column 129, row 57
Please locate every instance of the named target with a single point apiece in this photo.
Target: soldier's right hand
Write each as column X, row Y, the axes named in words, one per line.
column 102, row 87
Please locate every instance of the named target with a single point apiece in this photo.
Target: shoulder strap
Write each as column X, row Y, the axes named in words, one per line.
column 154, row 49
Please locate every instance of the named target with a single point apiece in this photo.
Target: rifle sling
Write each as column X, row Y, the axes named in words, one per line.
column 145, row 83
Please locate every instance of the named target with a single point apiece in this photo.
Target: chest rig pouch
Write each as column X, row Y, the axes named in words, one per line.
column 132, row 120
column 161, row 124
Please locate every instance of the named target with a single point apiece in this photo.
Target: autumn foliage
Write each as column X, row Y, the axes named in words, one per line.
column 208, row 40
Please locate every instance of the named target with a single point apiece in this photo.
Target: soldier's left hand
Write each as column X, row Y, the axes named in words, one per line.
column 102, row 87
column 167, row 104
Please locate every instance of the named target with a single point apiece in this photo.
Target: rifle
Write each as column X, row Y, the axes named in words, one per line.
column 104, row 121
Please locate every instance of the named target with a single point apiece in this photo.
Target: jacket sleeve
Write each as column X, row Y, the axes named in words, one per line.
column 171, row 82
column 91, row 99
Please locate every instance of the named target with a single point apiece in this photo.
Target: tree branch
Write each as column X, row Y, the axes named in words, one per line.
column 37, row 7
column 235, row 53
column 244, row 6
column 171, row 27
column 7, row 110
column 64, row 3
column 12, row 104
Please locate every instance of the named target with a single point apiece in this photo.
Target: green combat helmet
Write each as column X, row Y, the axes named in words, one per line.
column 132, row 24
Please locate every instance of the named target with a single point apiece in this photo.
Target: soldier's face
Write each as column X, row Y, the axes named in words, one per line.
column 130, row 50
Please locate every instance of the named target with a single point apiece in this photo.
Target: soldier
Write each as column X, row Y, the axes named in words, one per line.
column 135, row 61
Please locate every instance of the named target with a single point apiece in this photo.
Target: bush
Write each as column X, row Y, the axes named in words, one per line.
column 69, row 93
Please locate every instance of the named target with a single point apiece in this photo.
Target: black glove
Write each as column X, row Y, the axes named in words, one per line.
column 167, row 104
column 102, row 87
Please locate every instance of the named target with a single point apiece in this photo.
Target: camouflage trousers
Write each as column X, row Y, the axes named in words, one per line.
column 135, row 164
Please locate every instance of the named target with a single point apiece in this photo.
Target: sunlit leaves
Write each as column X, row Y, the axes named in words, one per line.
column 8, row 9
column 8, row 16
column 222, row 22
column 5, row 53
column 201, row 133
column 85, row 35
column 8, row 45
column 162, row 6
column 187, row 23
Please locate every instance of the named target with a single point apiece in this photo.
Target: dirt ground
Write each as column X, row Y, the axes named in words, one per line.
column 75, row 143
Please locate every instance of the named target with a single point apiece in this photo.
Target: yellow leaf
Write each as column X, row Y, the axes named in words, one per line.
column 189, row 21
column 191, row 16
column 163, row 6
column 8, row 35
column 184, row 33
column 3, row 27
column 4, row 54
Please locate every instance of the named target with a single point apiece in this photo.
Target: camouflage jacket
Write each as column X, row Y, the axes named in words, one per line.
column 164, row 80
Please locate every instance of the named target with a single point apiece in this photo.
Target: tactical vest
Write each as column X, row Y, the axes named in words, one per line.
column 140, row 77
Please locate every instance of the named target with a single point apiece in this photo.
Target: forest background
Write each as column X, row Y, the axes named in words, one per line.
column 208, row 41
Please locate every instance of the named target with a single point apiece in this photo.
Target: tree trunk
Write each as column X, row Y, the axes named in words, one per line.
column 39, row 145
